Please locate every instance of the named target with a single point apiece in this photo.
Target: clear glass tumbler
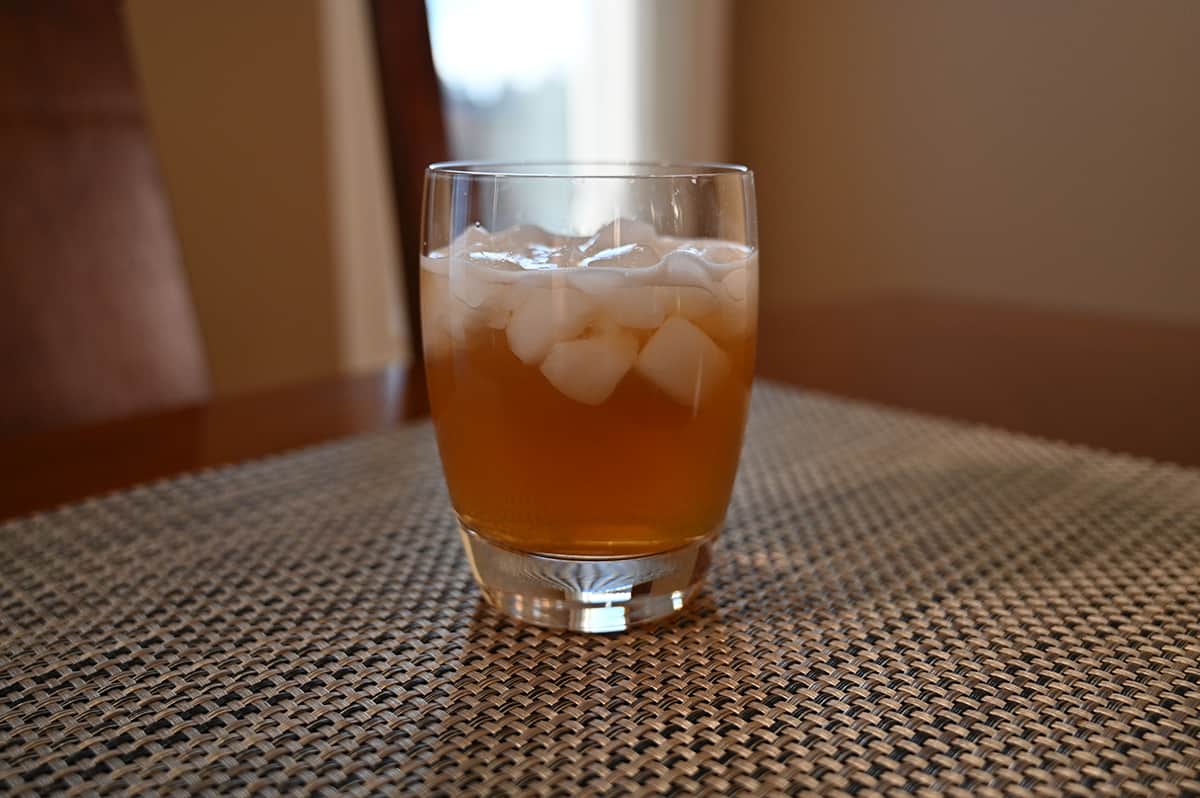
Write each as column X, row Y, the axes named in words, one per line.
column 589, row 336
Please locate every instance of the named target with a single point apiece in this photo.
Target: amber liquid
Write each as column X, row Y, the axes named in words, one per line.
column 535, row 471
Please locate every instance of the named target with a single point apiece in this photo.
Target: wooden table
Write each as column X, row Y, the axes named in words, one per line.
column 40, row 470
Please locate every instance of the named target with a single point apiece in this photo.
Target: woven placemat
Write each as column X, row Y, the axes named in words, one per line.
column 898, row 605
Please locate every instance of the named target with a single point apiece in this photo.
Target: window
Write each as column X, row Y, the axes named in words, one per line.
column 582, row 79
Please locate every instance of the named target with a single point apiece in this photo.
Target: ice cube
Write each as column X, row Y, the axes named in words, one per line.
column 686, row 301
column 595, row 282
column 546, row 256
column 514, row 294
column 637, row 307
column 473, row 237
column 735, row 284
column 497, row 317
column 684, row 362
column 619, row 232
column 686, row 268
column 548, row 315
column 524, row 236
column 588, row 370
column 493, row 262
column 723, row 252
column 463, row 320
column 437, row 263
column 625, row 256
column 470, row 285
column 719, row 257
column 731, row 320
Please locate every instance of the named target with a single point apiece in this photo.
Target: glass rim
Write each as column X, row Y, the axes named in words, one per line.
column 588, row 170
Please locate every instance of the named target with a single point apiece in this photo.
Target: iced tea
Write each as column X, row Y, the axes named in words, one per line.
column 589, row 394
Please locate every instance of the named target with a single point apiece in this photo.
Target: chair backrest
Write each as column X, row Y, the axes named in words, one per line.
column 95, row 316
column 415, row 128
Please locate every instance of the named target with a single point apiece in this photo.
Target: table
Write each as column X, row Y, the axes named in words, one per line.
column 42, row 469
column 1124, row 384
column 898, row 605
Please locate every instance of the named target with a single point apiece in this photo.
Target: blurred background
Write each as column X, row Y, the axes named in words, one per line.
column 986, row 210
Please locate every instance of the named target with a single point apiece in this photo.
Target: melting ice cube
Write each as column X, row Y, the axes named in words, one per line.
column 620, row 232
column 545, row 317
column 735, row 284
column 589, row 369
column 723, row 252
column 685, row 268
column 637, row 307
column 684, row 362
column 462, row 320
column 470, row 285
column 472, row 238
column 598, row 283
column 732, row 319
column 524, row 237
column 626, row 256
column 686, row 301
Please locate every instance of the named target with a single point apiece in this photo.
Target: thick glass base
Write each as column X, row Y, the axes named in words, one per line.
column 587, row 595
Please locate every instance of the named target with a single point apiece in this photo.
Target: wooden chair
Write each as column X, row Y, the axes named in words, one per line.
column 416, row 130
column 95, row 315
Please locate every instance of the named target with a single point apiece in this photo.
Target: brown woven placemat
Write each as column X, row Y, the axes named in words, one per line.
column 898, row 605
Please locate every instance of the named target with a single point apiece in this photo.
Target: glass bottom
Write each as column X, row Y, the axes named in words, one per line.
column 587, row 595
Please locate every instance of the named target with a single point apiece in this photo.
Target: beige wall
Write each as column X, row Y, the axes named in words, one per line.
column 683, row 72
column 1037, row 153
column 269, row 142
column 366, row 254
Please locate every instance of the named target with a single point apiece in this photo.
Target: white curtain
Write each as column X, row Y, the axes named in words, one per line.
column 651, row 81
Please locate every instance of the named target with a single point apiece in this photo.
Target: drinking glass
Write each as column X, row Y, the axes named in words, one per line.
column 589, row 336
